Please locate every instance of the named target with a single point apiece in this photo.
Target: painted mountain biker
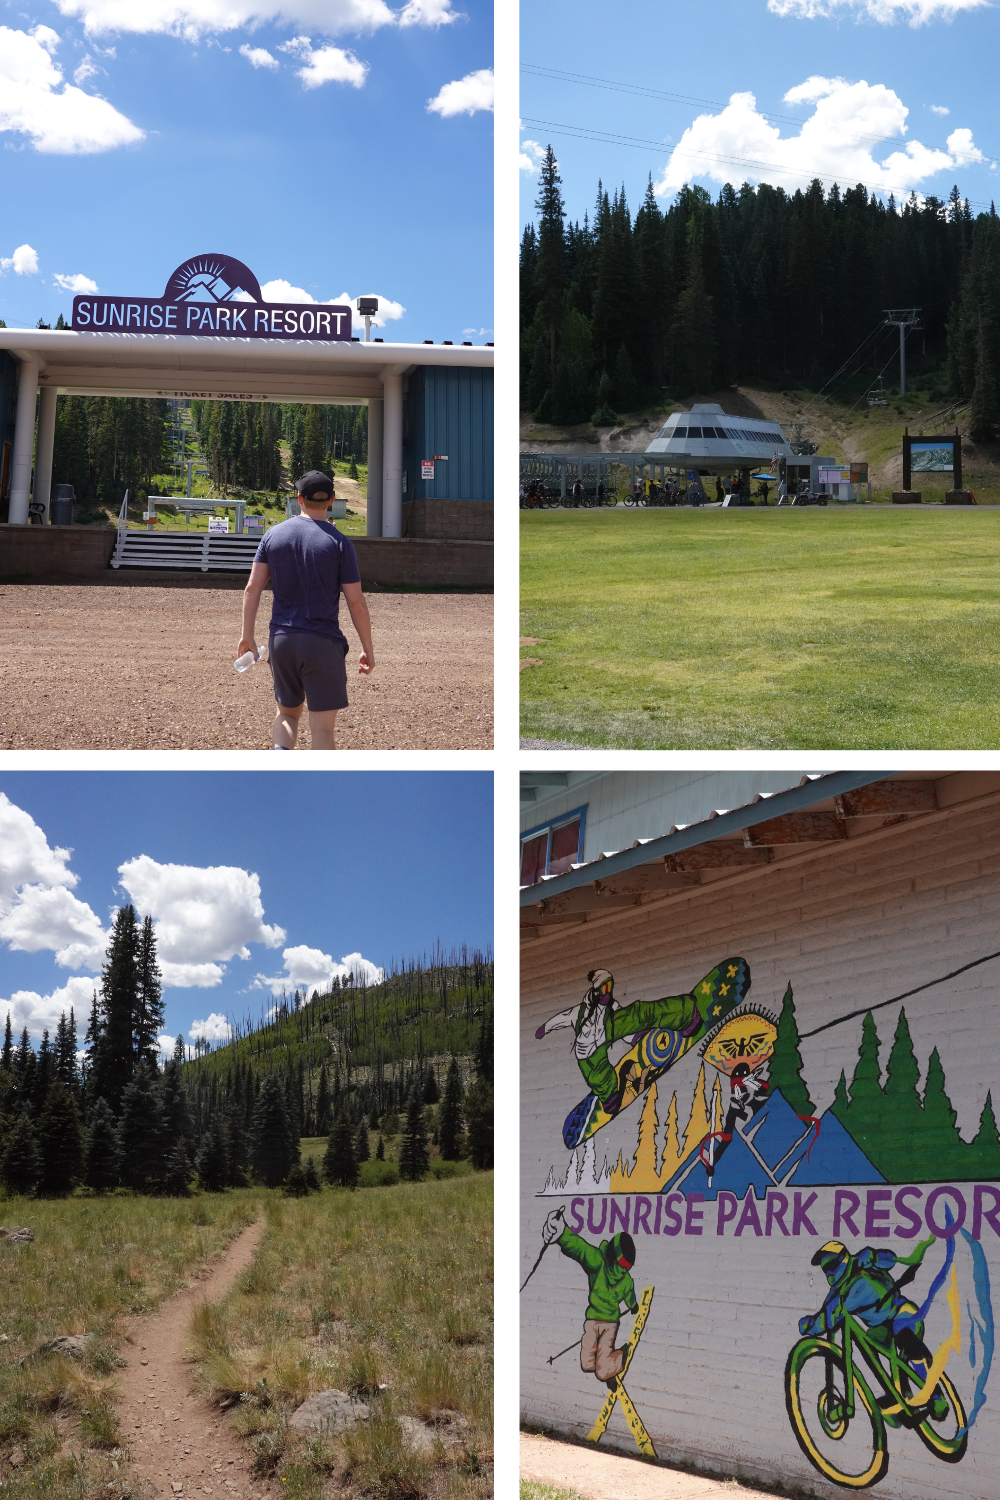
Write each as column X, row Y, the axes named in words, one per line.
column 607, row 1268
column 861, row 1284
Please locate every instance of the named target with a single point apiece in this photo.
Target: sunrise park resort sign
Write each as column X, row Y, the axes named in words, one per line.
column 212, row 294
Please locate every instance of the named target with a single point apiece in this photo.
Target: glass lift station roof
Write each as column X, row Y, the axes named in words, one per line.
column 706, row 438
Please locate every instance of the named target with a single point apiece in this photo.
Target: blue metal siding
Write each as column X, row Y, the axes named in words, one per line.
column 450, row 411
column 8, row 401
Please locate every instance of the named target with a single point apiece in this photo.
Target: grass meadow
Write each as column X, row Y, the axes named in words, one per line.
column 387, row 1294
column 93, row 1262
column 855, row 628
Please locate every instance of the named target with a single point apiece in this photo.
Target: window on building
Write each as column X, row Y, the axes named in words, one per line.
column 552, row 848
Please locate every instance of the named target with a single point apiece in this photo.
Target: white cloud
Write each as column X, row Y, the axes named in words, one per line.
column 25, row 855
column 325, row 64
column 388, row 311
column 38, row 1012
column 259, row 57
column 194, row 19
column 87, row 69
column 24, row 260
column 51, row 917
column 75, row 284
column 835, row 142
column 482, row 332
column 917, row 12
column 283, row 291
column 36, row 101
column 311, row 969
column 940, row 109
column 165, row 1046
column 428, row 13
column 464, row 96
column 203, row 917
column 530, row 156
column 215, row 1029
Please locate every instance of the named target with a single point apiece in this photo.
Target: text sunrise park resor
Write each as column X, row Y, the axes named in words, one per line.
column 944, row 1212
column 254, row 320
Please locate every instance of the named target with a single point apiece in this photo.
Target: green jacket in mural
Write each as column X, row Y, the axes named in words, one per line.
column 610, row 1284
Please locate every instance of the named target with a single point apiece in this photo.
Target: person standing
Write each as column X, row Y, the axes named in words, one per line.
column 309, row 564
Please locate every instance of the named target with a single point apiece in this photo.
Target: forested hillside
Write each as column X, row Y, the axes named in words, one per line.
column 340, row 1064
column 631, row 310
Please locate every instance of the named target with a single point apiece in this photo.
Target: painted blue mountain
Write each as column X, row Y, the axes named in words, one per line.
column 833, row 1159
column 772, row 1153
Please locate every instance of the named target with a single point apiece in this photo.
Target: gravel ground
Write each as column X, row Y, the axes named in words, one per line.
column 133, row 665
column 594, row 1473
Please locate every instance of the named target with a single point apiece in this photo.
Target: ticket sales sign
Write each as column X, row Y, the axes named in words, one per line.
column 213, row 295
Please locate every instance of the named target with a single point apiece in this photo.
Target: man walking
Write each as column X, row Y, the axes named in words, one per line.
column 308, row 564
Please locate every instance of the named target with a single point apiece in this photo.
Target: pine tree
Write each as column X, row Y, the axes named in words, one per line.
column 272, row 1147
column 60, row 1142
column 67, row 1067
column 450, row 1114
column 177, row 1176
column 936, row 1152
column 362, row 1150
column 312, row 1177
column 339, row 1165
column 7, row 1055
column 785, row 1071
column 323, row 1104
column 313, row 445
column 45, row 1071
column 21, row 1162
column 113, row 1056
column 144, row 1146
column 148, row 1020
column 483, row 1056
column 413, row 1160
column 212, row 1161
column 478, row 1111
column 380, row 1148
column 550, row 267
column 102, row 1153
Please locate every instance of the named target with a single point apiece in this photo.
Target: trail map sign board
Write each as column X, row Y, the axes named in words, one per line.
column 213, row 295
column 932, row 455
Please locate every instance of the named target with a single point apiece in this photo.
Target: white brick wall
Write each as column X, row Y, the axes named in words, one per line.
column 849, row 929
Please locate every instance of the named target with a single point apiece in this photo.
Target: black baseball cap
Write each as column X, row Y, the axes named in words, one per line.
column 315, row 486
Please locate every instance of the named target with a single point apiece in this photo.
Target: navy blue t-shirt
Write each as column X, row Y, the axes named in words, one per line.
column 309, row 560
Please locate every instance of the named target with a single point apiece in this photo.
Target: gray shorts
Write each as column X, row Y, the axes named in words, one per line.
column 309, row 666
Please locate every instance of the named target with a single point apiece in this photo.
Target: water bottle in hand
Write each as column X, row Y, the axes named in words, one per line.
column 244, row 662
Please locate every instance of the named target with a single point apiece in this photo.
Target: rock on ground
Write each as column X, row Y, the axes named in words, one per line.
column 17, row 1236
column 328, row 1411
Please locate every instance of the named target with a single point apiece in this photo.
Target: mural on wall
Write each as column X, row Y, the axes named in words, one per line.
column 755, row 1146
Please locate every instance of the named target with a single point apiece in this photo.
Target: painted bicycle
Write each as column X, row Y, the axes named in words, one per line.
column 839, row 1420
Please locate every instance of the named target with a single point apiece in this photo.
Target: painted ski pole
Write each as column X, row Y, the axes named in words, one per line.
column 534, row 1268
column 553, row 1357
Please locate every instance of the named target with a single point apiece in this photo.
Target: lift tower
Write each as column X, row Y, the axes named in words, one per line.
column 902, row 318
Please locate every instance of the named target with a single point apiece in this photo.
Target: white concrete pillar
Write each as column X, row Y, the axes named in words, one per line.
column 375, row 463
column 45, row 445
column 24, row 440
column 392, row 455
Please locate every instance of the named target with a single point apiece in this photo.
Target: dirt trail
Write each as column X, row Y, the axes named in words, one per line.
column 179, row 1443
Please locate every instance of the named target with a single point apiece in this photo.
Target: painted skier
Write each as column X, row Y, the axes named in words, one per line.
column 607, row 1267
column 598, row 1022
column 861, row 1284
column 747, row 1092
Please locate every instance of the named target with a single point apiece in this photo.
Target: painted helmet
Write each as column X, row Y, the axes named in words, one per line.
column 620, row 1251
column 602, row 985
column 833, row 1258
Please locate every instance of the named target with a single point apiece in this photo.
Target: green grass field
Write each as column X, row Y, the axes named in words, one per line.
column 854, row 629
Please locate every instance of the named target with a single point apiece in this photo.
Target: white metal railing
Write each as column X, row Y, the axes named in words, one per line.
column 123, row 519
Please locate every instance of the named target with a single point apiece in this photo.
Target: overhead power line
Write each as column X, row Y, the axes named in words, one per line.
column 585, row 133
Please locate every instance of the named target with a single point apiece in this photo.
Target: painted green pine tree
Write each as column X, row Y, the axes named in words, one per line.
column 866, row 1111
column 940, row 1153
column 785, row 1072
column 841, row 1104
column 904, row 1115
column 983, row 1152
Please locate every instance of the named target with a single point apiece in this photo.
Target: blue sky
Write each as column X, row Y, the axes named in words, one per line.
column 894, row 93
column 298, row 140
column 301, row 870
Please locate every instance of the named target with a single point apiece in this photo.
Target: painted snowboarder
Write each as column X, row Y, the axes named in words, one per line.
column 861, row 1284
column 607, row 1267
column 597, row 1022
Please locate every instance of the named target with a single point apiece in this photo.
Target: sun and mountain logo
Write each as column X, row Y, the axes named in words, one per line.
column 213, row 279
